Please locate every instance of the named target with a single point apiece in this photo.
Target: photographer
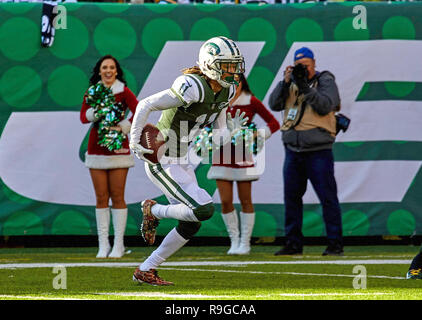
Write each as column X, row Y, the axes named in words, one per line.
column 309, row 100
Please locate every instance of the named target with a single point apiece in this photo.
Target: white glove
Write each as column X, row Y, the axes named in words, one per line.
column 237, row 123
column 139, row 151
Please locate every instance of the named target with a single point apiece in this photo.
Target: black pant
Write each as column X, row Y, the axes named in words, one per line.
column 318, row 167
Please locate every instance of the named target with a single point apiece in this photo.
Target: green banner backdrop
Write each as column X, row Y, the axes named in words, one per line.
column 35, row 79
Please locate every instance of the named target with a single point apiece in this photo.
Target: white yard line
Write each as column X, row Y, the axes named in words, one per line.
column 190, row 296
column 164, row 295
column 287, row 273
column 200, row 296
column 331, row 294
column 199, row 263
column 5, row 296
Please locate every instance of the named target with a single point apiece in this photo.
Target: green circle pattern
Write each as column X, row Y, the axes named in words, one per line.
column 303, row 29
column 398, row 27
column 345, row 31
column 131, row 227
column 259, row 80
column 110, row 29
column 265, row 225
column 130, row 81
column 355, row 223
column 313, row 225
column 20, row 39
column 110, row 7
column 66, row 85
column 258, row 29
column 23, row 223
column 72, row 42
column 25, row 84
column 157, row 32
column 207, row 28
column 71, row 222
column 399, row 89
column 72, row 6
column 401, row 223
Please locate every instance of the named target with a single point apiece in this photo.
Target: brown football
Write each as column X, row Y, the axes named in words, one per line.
column 151, row 138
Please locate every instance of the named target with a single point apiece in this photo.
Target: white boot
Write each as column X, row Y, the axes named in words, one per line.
column 102, row 216
column 119, row 225
column 247, row 222
column 232, row 225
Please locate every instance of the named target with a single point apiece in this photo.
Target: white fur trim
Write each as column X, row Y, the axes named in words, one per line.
column 232, row 174
column 95, row 161
column 125, row 125
column 90, row 115
column 117, row 86
column 243, row 100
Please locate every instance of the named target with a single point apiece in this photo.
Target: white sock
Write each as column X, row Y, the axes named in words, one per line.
column 171, row 243
column 174, row 211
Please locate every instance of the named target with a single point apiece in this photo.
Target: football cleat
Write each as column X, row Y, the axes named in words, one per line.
column 414, row 274
column 151, row 277
column 149, row 222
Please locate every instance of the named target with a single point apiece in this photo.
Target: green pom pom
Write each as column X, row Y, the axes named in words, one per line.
column 102, row 100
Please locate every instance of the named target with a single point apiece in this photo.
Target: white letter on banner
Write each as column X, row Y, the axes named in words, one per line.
column 359, row 22
column 60, row 21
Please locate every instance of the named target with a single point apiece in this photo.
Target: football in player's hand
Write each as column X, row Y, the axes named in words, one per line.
column 152, row 139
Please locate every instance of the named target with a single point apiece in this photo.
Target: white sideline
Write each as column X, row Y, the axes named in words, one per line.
column 287, row 273
column 191, row 296
column 199, row 263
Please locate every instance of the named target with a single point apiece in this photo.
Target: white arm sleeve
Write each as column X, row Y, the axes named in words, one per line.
column 157, row 102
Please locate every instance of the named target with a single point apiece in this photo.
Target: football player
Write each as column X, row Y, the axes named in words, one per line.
column 197, row 98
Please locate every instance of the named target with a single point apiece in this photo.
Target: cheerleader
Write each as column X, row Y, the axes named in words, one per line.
column 109, row 168
column 240, row 169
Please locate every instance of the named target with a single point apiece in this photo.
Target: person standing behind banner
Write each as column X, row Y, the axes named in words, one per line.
column 109, row 169
column 226, row 172
column 309, row 100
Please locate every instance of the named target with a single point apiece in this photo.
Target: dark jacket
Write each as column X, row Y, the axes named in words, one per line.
column 324, row 98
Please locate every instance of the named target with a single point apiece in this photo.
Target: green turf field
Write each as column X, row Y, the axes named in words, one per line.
column 207, row 273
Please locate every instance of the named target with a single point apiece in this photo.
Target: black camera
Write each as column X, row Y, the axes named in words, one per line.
column 300, row 72
column 342, row 122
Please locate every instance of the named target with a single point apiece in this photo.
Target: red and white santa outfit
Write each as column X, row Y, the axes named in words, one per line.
column 243, row 170
column 98, row 157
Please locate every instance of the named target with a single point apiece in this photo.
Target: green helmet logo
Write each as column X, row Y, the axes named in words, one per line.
column 212, row 48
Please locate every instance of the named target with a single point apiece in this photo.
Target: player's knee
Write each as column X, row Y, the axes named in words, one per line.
column 204, row 212
column 188, row 229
